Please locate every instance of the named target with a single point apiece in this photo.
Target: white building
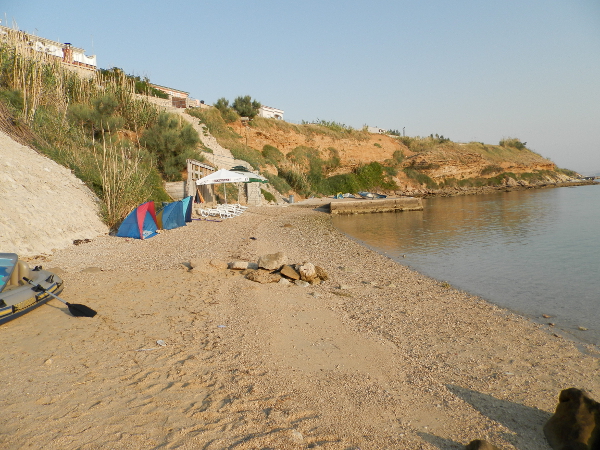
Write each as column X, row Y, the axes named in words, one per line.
column 72, row 57
column 270, row 113
column 376, row 130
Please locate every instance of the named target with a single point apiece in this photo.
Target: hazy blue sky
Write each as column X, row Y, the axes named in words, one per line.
column 471, row 70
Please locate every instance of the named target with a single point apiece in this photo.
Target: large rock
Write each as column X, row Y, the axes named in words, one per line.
column 263, row 276
column 575, row 424
column 273, row 261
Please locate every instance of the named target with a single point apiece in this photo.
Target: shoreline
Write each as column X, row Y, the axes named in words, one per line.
column 394, row 359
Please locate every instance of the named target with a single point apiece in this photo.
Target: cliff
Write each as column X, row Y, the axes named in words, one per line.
column 415, row 165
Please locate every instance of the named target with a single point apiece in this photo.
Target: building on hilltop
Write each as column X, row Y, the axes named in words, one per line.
column 270, row 113
column 376, row 130
column 179, row 99
column 73, row 58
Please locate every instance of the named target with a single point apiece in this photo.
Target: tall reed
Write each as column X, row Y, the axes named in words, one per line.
column 124, row 178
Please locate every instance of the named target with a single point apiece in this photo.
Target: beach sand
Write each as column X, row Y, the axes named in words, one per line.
column 394, row 360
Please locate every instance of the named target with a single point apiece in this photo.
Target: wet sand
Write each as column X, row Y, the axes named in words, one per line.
column 393, row 360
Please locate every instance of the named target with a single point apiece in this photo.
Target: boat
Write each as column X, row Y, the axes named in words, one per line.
column 18, row 296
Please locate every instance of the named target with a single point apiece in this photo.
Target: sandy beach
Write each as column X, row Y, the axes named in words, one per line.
column 391, row 360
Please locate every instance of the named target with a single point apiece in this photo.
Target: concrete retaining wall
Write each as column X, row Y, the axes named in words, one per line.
column 355, row 206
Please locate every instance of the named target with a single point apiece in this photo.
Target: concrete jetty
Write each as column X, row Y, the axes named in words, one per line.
column 361, row 206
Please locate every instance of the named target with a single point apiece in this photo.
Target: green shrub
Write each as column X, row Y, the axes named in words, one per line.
column 278, row 183
column 99, row 117
column 421, row 178
column 12, row 97
column 513, row 142
column 296, row 179
column 172, row 142
column 347, row 182
column 268, row 196
column 272, row 155
column 243, row 152
column 215, row 123
column 398, row 156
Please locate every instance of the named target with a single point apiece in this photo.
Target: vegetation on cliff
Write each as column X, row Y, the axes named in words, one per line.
column 119, row 145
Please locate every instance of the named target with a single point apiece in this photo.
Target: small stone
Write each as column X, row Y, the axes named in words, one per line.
column 297, row 436
column 263, row 276
column 48, row 362
column 582, row 328
column 321, row 273
column 242, row 265
column 238, row 265
column 345, row 287
column 288, row 225
column 301, row 283
column 284, row 281
column 546, row 316
column 290, row 272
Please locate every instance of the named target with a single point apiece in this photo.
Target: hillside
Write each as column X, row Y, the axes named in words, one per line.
column 316, row 159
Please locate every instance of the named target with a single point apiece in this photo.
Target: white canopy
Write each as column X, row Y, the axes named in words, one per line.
column 223, row 176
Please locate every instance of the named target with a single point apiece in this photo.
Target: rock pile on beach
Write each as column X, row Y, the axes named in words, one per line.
column 273, row 268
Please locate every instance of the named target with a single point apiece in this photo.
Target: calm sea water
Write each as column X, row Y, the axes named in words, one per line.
column 535, row 252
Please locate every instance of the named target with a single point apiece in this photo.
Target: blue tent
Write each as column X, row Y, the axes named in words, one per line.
column 140, row 223
column 187, row 208
column 171, row 216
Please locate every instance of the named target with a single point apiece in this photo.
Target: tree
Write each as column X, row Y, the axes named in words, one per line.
column 246, row 107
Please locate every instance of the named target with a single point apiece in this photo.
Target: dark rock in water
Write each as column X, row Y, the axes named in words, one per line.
column 575, row 424
column 263, row 276
column 273, row 261
column 479, row 444
column 290, row 272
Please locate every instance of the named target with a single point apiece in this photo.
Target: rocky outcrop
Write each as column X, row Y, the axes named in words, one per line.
column 575, row 424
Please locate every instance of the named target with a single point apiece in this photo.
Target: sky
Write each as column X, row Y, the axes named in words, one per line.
column 470, row 70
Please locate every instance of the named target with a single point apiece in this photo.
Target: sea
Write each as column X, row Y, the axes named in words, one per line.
column 535, row 252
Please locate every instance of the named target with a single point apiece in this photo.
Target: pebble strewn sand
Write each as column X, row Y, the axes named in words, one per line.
column 393, row 361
